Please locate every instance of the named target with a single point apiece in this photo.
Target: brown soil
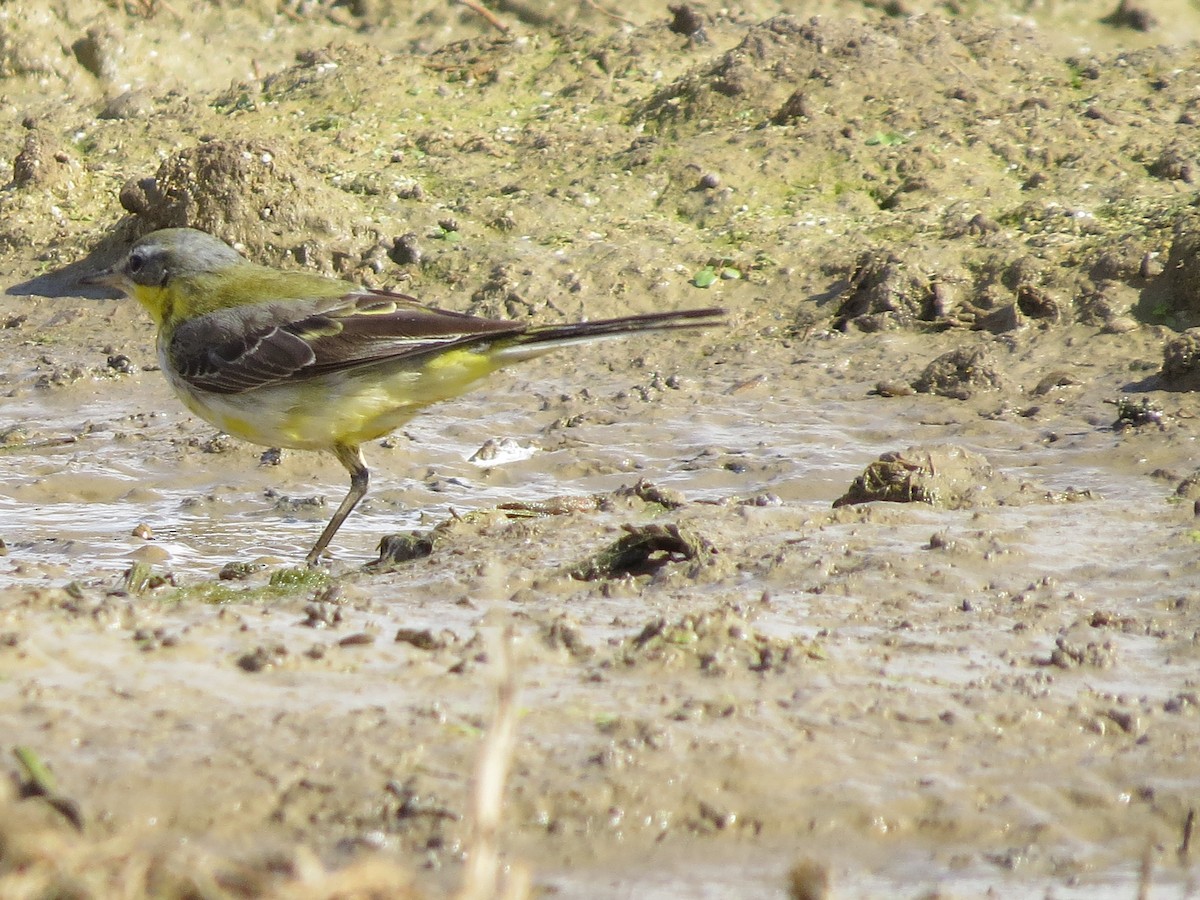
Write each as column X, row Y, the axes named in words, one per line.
column 958, row 252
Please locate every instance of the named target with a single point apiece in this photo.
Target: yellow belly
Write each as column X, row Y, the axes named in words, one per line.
column 342, row 408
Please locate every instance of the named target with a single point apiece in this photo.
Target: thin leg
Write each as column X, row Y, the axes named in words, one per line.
column 350, row 456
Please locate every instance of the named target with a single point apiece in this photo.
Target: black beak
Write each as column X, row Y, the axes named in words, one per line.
column 105, row 278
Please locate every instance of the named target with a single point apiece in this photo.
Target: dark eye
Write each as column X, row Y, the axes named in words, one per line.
column 136, row 261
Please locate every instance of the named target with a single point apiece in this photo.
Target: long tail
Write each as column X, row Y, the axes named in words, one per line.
column 544, row 338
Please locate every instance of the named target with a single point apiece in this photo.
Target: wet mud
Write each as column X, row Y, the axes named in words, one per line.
column 886, row 588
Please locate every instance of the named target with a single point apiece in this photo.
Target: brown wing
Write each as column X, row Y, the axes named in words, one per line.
column 240, row 350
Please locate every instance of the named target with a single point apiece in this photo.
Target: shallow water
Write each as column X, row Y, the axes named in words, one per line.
column 66, row 507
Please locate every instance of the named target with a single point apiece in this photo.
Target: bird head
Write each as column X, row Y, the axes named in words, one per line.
column 159, row 264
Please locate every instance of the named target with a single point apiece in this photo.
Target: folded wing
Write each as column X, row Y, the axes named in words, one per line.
column 234, row 351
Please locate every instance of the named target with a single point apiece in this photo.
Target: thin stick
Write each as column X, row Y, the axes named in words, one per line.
column 612, row 15
column 486, row 13
column 1145, row 875
column 482, row 880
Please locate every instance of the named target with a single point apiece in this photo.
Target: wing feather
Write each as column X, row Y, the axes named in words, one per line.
column 233, row 351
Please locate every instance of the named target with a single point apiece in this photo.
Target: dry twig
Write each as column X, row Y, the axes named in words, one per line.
column 491, row 17
column 483, row 879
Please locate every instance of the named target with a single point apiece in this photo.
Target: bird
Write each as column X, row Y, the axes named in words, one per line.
column 295, row 359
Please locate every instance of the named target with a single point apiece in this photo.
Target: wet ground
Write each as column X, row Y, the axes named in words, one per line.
column 954, row 249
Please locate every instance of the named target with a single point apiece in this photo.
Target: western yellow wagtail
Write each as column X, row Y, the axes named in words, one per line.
column 295, row 359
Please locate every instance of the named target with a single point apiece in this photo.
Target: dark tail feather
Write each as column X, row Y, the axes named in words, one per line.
column 544, row 338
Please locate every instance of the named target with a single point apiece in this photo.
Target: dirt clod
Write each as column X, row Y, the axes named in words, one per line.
column 960, row 374
column 644, row 549
column 1181, row 361
column 246, row 192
